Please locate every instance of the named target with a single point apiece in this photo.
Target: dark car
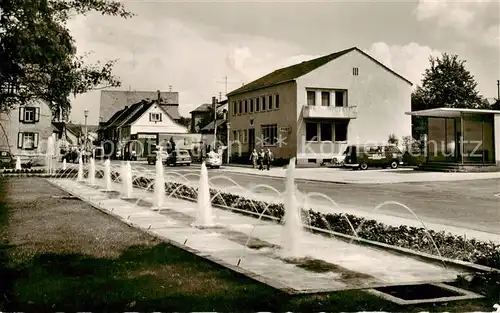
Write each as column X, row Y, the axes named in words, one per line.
column 71, row 156
column 6, row 160
column 178, row 157
column 364, row 156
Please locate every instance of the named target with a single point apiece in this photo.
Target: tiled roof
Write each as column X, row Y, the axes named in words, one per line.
column 206, row 107
column 115, row 116
column 293, row 72
column 146, row 106
column 172, row 110
column 75, row 129
column 126, row 114
column 210, row 126
column 137, row 114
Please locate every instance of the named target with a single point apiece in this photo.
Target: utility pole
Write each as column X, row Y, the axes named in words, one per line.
column 498, row 90
column 226, row 82
column 214, row 107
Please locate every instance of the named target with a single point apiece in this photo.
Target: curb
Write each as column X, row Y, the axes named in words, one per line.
column 296, row 179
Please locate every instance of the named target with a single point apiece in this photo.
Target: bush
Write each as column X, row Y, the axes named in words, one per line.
column 280, row 162
column 413, row 160
column 243, row 158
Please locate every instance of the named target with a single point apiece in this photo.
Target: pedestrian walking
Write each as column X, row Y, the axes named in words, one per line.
column 254, row 157
column 268, row 159
column 261, row 159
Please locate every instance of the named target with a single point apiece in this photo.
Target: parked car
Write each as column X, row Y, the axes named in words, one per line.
column 7, row 160
column 364, row 156
column 154, row 155
column 213, row 160
column 71, row 156
column 178, row 157
column 133, row 155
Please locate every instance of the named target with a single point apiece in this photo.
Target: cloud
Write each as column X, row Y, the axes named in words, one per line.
column 476, row 20
column 410, row 60
column 154, row 54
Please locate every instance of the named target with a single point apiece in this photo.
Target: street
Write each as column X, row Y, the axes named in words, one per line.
column 467, row 204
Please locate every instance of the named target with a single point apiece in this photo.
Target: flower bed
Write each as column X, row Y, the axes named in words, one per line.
column 24, row 171
column 414, row 238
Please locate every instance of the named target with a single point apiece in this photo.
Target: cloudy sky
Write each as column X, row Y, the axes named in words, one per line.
column 193, row 45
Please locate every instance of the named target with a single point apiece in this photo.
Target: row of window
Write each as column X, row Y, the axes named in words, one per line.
column 340, row 98
column 29, row 114
column 27, row 141
column 269, row 136
column 326, row 131
column 257, row 104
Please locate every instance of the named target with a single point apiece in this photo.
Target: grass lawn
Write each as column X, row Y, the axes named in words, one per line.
column 61, row 254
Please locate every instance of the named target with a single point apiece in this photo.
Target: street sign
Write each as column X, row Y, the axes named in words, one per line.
column 285, row 129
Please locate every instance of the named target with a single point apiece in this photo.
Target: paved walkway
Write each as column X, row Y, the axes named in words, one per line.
column 352, row 266
column 365, row 177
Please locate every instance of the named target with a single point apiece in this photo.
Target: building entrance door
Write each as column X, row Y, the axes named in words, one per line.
column 251, row 139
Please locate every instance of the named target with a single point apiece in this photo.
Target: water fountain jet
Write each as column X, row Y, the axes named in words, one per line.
column 107, row 175
column 80, row 168
column 91, row 175
column 204, row 217
column 293, row 229
column 18, row 163
column 50, row 154
column 127, row 180
column 159, row 186
column 64, row 164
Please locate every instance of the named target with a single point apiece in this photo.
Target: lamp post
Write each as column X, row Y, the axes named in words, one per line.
column 214, row 106
column 86, row 114
column 228, row 149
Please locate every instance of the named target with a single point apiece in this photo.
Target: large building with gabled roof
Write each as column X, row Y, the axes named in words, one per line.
column 314, row 109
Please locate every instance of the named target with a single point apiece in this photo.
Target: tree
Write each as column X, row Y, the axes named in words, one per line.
column 419, row 101
column 208, row 118
column 447, row 83
column 185, row 121
column 38, row 53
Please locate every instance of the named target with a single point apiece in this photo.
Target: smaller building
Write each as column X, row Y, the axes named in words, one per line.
column 461, row 137
column 140, row 127
column 203, row 112
column 25, row 129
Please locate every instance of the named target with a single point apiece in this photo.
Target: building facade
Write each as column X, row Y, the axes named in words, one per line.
column 314, row 109
column 201, row 113
column 25, row 129
column 142, row 126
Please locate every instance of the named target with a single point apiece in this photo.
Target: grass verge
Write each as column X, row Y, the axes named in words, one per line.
column 61, row 254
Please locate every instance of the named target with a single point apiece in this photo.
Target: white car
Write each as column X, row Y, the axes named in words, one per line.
column 214, row 160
